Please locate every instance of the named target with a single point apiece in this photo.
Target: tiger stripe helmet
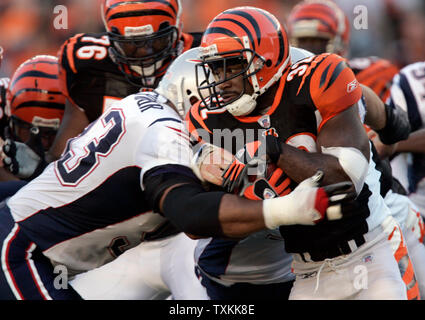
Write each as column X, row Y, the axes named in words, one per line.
column 321, row 19
column 258, row 40
column 375, row 73
column 34, row 97
column 144, row 35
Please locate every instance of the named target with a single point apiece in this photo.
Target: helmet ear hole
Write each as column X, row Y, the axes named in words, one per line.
column 188, row 92
column 268, row 63
column 193, row 100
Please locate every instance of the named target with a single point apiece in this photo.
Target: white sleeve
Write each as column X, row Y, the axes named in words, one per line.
column 397, row 96
column 165, row 142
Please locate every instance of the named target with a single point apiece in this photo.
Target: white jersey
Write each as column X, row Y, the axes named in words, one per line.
column 408, row 93
column 88, row 207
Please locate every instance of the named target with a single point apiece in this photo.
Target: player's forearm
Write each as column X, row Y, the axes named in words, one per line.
column 299, row 165
column 5, row 175
column 375, row 109
column 415, row 143
column 211, row 214
column 240, row 217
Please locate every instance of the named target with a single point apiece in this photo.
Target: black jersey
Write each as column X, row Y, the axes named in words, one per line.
column 314, row 91
column 91, row 79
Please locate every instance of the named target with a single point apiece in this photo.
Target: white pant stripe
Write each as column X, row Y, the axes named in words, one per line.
column 4, row 262
column 35, row 274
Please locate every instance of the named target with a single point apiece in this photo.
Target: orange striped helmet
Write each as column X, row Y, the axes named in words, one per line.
column 144, row 35
column 255, row 40
column 376, row 73
column 34, row 99
column 320, row 19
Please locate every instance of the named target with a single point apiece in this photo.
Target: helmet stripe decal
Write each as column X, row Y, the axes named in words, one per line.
column 240, row 24
column 282, row 46
column 140, row 13
column 32, row 90
column 40, row 104
column 225, row 31
column 141, row 2
column 34, row 73
column 251, row 19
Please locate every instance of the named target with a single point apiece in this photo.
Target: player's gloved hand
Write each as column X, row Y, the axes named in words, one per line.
column 25, row 160
column 245, row 158
column 415, row 223
column 260, row 189
column 209, row 162
column 273, row 147
column 308, row 204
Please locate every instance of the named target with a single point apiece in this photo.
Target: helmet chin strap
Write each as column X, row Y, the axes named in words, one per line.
column 243, row 106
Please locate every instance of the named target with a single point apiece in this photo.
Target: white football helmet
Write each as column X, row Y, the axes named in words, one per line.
column 179, row 82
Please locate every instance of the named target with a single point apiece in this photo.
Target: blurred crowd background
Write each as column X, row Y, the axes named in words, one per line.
column 396, row 28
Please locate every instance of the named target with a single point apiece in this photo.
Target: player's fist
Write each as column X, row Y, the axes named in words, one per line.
column 209, row 163
column 22, row 160
column 308, row 204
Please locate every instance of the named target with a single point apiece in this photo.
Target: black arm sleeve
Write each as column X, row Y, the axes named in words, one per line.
column 189, row 207
column 397, row 126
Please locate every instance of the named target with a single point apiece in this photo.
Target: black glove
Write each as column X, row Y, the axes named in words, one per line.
column 397, row 126
column 25, row 160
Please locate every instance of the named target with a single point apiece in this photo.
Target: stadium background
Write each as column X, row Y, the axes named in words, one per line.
column 396, row 28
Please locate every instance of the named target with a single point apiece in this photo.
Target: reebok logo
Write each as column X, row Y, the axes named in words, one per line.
column 352, row 86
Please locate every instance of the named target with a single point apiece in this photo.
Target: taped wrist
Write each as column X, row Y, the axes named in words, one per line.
column 397, row 126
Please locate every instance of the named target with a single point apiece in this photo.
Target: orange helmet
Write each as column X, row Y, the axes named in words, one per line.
column 375, row 73
column 251, row 38
column 144, row 35
column 34, row 99
column 320, row 19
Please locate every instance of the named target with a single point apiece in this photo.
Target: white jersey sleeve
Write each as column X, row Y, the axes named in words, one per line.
column 166, row 142
column 408, row 92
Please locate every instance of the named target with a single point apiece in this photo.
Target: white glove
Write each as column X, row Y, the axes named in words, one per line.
column 308, row 204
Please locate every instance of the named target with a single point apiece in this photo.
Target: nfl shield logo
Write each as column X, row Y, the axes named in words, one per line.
column 264, row 121
column 268, row 194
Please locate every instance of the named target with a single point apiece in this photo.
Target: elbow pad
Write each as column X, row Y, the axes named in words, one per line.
column 397, row 126
column 353, row 162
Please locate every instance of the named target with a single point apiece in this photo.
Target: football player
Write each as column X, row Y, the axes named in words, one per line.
column 323, row 20
column 142, row 37
column 126, row 181
column 308, row 106
column 36, row 106
column 4, row 83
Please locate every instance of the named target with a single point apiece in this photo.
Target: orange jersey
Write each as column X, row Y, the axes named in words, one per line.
column 313, row 91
